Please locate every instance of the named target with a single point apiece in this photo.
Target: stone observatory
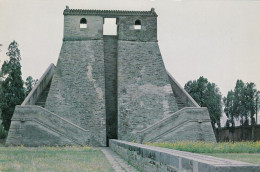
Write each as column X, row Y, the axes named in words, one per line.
column 108, row 87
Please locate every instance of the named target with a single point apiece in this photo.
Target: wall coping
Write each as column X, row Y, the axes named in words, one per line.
column 166, row 156
column 115, row 13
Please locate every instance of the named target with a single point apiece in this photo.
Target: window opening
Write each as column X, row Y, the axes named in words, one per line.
column 137, row 25
column 109, row 26
column 83, row 23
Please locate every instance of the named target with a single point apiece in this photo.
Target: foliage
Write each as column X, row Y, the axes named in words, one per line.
column 210, row 147
column 206, row 94
column 12, row 85
column 230, row 113
column 3, row 132
column 30, row 83
column 241, row 103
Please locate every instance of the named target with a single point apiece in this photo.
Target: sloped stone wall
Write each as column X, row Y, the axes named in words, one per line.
column 144, row 92
column 77, row 92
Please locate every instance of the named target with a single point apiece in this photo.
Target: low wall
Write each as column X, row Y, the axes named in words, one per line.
column 240, row 133
column 39, row 87
column 154, row 159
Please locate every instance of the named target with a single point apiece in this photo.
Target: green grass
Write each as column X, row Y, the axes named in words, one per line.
column 240, row 151
column 253, row 158
column 209, row 147
column 53, row 159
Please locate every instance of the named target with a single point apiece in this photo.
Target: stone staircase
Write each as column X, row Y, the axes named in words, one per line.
column 43, row 96
column 49, row 129
column 188, row 119
column 180, row 103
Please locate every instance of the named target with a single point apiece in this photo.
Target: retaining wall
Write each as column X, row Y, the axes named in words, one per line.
column 153, row 159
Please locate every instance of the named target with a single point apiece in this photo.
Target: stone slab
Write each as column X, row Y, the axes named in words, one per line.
column 150, row 158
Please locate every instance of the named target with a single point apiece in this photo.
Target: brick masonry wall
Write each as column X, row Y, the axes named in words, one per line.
column 110, row 52
column 148, row 30
column 72, row 31
column 144, row 93
column 77, row 92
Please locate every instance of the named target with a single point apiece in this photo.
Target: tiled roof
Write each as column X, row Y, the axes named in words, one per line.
column 68, row 11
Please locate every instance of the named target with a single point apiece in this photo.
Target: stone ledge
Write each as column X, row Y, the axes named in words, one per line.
column 150, row 158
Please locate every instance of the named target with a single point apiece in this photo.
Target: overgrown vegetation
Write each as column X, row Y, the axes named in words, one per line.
column 210, row 147
column 53, row 159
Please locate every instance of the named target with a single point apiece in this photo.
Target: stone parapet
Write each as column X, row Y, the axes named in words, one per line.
column 154, row 159
column 40, row 86
column 181, row 93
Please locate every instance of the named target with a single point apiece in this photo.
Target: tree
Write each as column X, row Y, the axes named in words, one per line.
column 12, row 85
column 206, row 94
column 30, row 83
column 229, row 111
column 245, row 102
column 242, row 104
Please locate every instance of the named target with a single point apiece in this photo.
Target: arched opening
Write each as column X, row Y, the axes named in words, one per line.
column 137, row 25
column 83, row 23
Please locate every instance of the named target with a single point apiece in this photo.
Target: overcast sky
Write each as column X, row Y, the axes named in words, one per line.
column 219, row 40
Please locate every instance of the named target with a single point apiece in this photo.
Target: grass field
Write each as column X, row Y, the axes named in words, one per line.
column 210, row 147
column 240, row 151
column 253, row 158
column 53, row 159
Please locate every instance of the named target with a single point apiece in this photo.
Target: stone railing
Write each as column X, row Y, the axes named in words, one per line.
column 40, row 85
column 188, row 118
column 181, row 93
column 50, row 121
column 149, row 158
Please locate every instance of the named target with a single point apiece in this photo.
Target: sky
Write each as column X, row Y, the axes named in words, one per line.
column 217, row 39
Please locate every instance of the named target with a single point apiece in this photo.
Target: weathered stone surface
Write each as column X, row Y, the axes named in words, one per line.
column 153, row 159
column 77, row 92
column 144, row 92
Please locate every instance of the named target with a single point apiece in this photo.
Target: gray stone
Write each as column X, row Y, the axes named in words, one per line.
column 149, row 158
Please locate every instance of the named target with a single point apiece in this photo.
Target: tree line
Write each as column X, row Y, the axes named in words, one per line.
column 13, row 89
column 239, row 105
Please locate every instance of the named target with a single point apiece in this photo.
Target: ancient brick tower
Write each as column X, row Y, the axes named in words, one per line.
column 108, row 87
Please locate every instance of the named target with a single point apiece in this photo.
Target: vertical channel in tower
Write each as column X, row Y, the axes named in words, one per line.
column 110, row 55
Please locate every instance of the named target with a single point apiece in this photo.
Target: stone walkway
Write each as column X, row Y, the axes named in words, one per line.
column 118, row 164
